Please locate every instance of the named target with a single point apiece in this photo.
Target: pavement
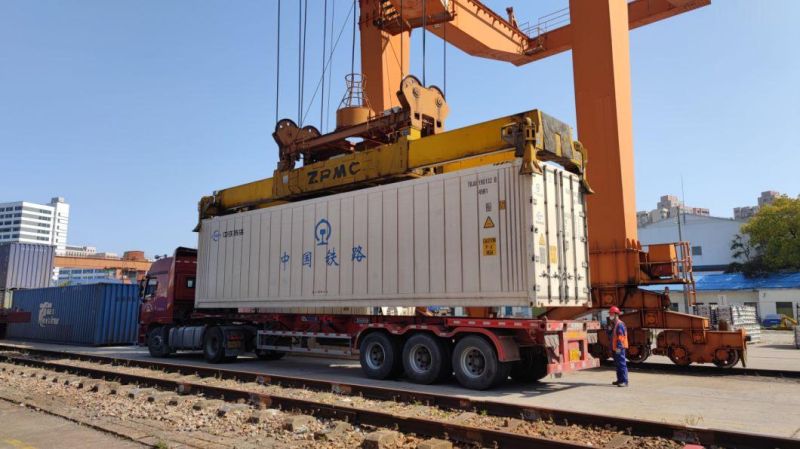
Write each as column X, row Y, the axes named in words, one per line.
column 741, row 403
column 27, row 429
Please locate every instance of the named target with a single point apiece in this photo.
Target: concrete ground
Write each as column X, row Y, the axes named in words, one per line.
column 758, row 405
column 26, row 429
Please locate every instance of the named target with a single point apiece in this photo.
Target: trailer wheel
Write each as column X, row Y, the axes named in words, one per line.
column 476, row 365
column 157, row 342
column 214, row 345
column 726, row 357
column 426, row 359
column 531, row 367
column 268, row 354
column 380, row 356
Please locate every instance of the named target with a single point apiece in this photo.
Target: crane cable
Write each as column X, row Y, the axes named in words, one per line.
column 303, row 76
column 424, row 33
column 402, row 31
column 278, row 65
column 299, row 62
column 327, row 66
column 330, row 59
column 444, row 57
column 353, row 49
column 324, row 48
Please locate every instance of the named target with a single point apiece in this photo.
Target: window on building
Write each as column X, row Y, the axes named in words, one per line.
column 674, row 306
column 697, row 250
column 785, row 308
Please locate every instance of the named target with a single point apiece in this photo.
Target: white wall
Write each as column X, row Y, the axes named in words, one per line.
column 712, row 234
column 768, row 298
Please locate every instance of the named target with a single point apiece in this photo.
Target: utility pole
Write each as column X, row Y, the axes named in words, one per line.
column 680, row 239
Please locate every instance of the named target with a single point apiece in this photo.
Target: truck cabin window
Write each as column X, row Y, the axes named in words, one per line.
column 150, row 288
column 189, row 282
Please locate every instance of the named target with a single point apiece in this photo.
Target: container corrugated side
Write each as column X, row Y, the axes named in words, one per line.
column 481, row 237
column 93, row 314
column 25, row 265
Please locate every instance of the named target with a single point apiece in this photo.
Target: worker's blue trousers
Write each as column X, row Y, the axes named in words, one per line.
column 622, row 366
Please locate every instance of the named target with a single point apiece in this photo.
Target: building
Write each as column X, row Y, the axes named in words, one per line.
column 745, row 212
column 776, row 293
column 709, row 237
column 26, row 222
column 77, row 276
column 669, row 206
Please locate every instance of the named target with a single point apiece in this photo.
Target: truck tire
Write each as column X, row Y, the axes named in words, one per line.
column 476, row 364
column 531, row 367
column 214, row 345
column 380, row 356
column 426, row 359
column 157, row 342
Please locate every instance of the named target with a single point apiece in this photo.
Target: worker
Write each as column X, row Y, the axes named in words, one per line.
column 618, row 336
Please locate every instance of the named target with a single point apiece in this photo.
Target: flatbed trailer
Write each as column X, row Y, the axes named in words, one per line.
column 480, row 352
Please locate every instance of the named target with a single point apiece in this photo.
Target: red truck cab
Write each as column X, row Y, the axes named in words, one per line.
column 167, row 291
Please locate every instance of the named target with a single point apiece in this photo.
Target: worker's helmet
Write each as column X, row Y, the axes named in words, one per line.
column 614, row 310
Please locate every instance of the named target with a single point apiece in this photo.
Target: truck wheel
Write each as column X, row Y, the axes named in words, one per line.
column 268, row 354
column 530, row 368
column 476, row 365
column 214, row 345
column 426, row 359
column 380, row 356
column 157, row 342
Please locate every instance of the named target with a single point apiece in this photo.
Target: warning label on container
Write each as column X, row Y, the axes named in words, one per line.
column 490, row 246
column 488, row 224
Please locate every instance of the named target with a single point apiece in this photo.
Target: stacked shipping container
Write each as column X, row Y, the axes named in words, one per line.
column 25, row 265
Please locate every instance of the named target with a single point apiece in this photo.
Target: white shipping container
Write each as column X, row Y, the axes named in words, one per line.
column 481, row 237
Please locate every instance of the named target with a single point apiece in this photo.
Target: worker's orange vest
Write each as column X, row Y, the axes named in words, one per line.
column 617, row 338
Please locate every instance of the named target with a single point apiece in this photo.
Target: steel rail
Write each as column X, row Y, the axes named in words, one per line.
column 644, row 428
column 707, row 370
column 411, row 425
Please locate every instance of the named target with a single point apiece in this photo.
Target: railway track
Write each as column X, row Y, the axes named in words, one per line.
column 703, row 370
column 426, row 426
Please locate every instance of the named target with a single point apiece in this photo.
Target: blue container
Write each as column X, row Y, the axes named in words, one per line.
column 93, row 314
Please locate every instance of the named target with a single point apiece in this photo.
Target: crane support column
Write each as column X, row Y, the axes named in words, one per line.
column 601, row 70
column 384, row 57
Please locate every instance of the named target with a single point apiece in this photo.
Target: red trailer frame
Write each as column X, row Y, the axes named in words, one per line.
column 481, row 351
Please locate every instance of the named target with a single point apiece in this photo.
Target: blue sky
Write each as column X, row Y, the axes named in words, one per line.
column 133, row 110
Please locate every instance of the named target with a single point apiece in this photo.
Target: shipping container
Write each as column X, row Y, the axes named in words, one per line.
column 94, row 314
column 487, row 236
column 25, row 265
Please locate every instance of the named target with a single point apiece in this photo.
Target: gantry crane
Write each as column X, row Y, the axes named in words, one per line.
column 401, row 135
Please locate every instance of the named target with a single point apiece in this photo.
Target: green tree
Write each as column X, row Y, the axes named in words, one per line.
column 773, row 242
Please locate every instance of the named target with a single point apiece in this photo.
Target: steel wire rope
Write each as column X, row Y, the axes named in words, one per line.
column 424, row 34
column 324, row 49
column 330, row 72
column 336, row 44
column 303, row 76
column 278, row 65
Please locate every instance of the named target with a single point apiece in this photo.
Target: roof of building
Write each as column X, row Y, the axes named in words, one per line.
column 738, row 281
column 735, row 281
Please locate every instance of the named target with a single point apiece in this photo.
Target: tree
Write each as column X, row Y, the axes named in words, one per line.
column 773, row 242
